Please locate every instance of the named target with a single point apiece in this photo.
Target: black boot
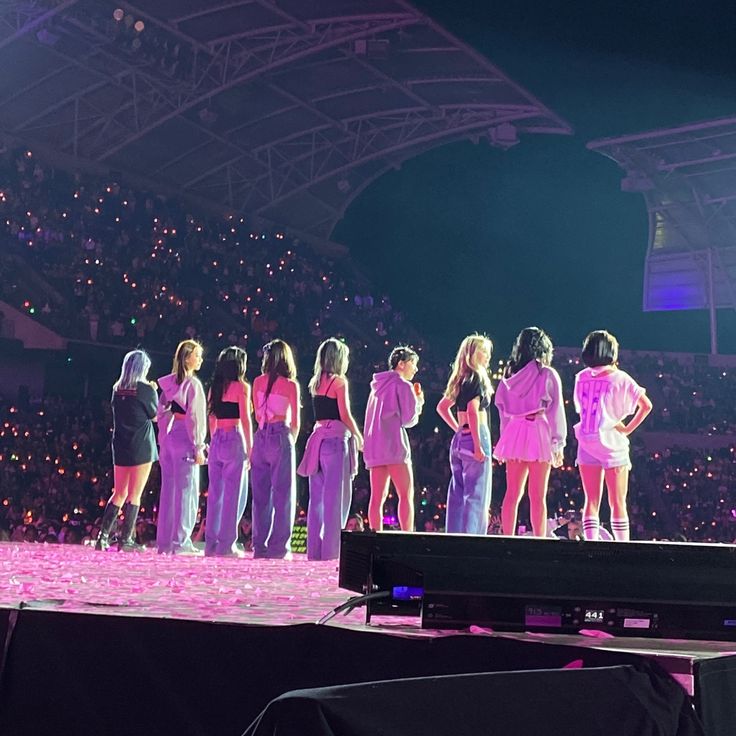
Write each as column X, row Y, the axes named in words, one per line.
column 108, row 519
column 127, row 541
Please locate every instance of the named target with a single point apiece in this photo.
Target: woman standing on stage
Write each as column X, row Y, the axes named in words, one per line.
column 133, row 447
column 469, row 390
column 231, row 442
column 533, row 427
column 604, row 396
column 331, row 456
column 273, row 463
column 393, row 405
column 182, row 422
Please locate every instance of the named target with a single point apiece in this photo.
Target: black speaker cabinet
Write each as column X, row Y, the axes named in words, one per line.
column 653, row 589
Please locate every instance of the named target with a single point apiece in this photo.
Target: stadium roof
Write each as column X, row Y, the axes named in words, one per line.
column 284, row 109
column 687, row 176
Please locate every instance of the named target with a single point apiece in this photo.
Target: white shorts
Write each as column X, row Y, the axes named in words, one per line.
column 606, row 459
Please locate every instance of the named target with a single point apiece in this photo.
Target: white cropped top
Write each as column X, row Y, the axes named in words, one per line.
column 275, row 405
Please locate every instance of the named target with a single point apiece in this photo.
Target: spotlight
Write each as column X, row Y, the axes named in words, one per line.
column 503, row 136
column 207, row 116
column 118, row 14
column 47, row 38
column 139, row 26
column 636, row 181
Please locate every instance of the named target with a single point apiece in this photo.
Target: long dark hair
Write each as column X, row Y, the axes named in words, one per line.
column 531, row 344
column 278, row 360
column 230, row 367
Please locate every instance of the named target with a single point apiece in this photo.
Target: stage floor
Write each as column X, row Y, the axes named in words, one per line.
column 153, row 603
column 77, row 579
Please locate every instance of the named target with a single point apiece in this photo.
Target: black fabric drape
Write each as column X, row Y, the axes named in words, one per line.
column 625, row 701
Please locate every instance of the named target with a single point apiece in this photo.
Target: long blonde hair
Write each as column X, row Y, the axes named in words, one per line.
column 136, row 365
column 464, row 366
column 332, row 359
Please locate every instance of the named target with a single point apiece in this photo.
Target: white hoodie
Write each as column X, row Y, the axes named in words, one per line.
column 535, row 388
column 189, row 394
column 392, row 406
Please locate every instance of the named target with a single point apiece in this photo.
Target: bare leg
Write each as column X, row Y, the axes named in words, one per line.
column 403, row 477
column 137, row 480
column 617, row 484
column 379, row 492
column 121, row 477
column 592, row 477
column 516, row 475
column 538, row 480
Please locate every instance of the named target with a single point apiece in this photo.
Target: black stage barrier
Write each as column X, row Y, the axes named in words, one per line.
column 715, row 695
column 8, row 617
column 79, row 674
column 624, row 701
column 655, row 589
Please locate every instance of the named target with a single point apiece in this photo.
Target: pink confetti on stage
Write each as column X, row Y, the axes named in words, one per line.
column 79, row 579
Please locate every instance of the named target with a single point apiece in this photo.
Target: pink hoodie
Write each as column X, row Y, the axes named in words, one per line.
column 392, row 406
column 533, row 389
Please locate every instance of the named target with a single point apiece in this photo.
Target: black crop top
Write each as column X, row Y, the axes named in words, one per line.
column 177, row 409
column 228, row 410
column 469, row 390
column 324, row 408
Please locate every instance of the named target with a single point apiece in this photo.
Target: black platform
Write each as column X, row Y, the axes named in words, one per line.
column 80, row 673
column 76, row 674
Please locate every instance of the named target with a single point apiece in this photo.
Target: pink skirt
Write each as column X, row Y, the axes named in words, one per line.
column 527, row 440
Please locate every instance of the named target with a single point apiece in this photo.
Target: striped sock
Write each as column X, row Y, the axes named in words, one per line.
column 620, row 529
column 591, row 525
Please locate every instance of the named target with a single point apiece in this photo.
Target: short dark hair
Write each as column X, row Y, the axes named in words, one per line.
column 399, row 353
column 600, row 348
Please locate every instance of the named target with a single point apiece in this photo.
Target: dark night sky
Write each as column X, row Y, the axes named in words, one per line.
column 542, row 234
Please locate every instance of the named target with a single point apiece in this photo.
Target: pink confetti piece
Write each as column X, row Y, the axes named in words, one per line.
column 596, row 634
column 481, row 630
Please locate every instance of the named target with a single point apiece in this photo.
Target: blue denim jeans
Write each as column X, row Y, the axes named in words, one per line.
column 228, row 491
column 330, row 491
column 179, row 498
column 273, row 485
column 469, row 492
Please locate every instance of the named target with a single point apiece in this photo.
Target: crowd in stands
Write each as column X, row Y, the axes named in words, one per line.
column 56, row 475
column 131, row 268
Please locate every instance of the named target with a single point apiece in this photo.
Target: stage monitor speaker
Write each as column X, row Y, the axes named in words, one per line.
column 653, row 589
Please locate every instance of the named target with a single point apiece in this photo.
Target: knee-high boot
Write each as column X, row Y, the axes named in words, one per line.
column 108, row 519
column 127, row 541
